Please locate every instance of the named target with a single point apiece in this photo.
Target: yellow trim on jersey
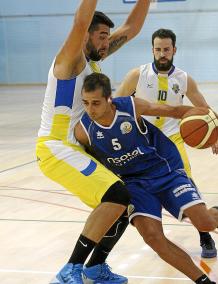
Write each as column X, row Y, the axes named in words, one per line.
column 60, row 126
column 178, row 141
column 161, row 99
column 94, row 66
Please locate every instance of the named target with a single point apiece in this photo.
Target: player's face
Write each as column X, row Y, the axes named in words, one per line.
column 95, row 104
column 163, row 52
column 98, row 43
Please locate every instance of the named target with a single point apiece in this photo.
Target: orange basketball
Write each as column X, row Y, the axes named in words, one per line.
column 199, row 128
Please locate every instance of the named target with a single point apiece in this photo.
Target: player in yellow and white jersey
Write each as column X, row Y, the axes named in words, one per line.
column 163, row 83
column 63, row 160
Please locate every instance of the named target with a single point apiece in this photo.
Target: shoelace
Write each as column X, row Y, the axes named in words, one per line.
column 106, row 272
column 73, row 274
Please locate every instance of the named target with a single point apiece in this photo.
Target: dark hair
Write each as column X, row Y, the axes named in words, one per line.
column 100, row 18
column 96, row 81
column 164, row 33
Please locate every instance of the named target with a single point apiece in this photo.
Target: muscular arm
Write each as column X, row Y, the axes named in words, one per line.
column 131, row 27
column 144, row 107
column 128, row 86
column 70, row 60
column 194, row 95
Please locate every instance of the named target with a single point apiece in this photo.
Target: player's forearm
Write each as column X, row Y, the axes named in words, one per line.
column 84, row 13
column 137, row 17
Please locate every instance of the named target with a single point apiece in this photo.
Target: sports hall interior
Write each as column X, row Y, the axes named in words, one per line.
column 39, row 220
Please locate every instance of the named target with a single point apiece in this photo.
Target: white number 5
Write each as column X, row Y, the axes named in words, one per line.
column 115, row 144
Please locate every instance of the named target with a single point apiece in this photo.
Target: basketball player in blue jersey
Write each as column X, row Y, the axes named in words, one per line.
column 149, row 164
column 63, row 160
column 163, row 83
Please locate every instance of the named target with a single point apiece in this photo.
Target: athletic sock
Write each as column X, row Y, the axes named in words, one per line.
column 204, row 236
column 82, row 250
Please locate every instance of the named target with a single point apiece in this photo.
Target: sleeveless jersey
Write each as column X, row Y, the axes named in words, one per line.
column 163, row 89
column 63, row 106
column 129, row 150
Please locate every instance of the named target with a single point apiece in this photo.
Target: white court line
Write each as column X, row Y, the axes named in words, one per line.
column 130, row 276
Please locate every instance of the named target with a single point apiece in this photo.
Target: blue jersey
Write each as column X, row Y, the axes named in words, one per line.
column 129, row 149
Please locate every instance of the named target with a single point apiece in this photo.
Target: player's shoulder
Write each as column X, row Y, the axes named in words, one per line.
column 122, row 103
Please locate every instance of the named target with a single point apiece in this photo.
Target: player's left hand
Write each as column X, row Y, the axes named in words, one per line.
column 215, row 148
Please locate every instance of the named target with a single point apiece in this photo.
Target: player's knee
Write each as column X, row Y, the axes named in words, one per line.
column 156, row 240
column 117, row 193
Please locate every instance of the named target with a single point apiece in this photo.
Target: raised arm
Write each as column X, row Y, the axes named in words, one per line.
column 144, row 107
column 128, row 85
column 70, row 60
column 131, row 27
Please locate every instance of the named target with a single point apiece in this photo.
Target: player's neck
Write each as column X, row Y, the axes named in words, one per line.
column 108, row 117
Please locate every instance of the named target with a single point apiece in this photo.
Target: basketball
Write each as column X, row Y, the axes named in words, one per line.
column 199, row 128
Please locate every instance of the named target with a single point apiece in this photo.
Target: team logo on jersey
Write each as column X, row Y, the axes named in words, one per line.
column 176, row 88
column 126, row 127
column 100, row 135
column 150, row 86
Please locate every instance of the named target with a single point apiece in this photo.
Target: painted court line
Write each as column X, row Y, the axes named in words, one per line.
column 128, row 276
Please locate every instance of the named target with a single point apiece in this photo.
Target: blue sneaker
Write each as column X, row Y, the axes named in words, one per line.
column 69, row 274
column 102, row 274
column 208, row 248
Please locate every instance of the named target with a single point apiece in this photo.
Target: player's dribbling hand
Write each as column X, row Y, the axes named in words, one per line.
column 215, row 148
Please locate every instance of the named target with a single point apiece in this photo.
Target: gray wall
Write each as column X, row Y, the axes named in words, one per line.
column 31, row 32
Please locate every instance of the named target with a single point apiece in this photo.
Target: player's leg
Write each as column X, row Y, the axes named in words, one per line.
column 152, row 232
column 206, row 242
column 97, row 263
column 99, row 188
column 147, row 218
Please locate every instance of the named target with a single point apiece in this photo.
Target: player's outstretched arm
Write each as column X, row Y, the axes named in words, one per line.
column 131, row 27
column 144, row 107
column 70, row 60
column 128, row 85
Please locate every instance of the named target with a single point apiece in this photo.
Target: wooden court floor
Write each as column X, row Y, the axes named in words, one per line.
column 40, row 222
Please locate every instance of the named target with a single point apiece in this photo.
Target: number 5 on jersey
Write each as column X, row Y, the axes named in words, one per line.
column 116, row 144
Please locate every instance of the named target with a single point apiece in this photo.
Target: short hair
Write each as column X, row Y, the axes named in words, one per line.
column 164, row 33
column 100, row 18
column 96, row 81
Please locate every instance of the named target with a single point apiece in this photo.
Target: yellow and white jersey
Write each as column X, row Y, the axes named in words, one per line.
column 163, row 89
column 62, row 107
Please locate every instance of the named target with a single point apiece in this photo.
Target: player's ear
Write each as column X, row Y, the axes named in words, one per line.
column 174, row 50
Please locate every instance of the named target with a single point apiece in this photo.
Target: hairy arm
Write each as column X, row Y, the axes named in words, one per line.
column 144, row 107
column 131, row 27
column 128, row 85
column 70, row 59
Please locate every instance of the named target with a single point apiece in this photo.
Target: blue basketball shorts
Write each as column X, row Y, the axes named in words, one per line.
column 175, row 192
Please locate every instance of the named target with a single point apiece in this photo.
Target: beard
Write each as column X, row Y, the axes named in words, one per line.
column 93, row 53
column 163, row 66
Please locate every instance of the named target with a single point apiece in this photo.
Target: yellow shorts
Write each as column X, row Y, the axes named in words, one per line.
column 78, row 172
column 178, row 141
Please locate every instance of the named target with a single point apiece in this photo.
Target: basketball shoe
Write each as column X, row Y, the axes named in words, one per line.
column 208, row 248
column 69, row 274
column 102, row 274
